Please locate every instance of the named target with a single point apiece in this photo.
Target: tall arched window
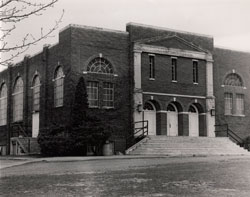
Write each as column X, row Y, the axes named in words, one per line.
column 100, row 92
column 36, row 93
column 58, row 87
column 3, row 104
column 233, row 79
column 100, row 65
column 233, row 97
column 18, row 100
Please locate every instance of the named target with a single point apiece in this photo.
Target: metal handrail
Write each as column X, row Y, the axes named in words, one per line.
column 133, row 137
column 20, row 128
column 231, row 134
column 235, row 136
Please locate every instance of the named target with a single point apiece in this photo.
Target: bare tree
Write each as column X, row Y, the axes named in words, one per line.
column 11, row 13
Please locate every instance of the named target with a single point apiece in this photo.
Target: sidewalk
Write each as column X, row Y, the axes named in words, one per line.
column 10, row 161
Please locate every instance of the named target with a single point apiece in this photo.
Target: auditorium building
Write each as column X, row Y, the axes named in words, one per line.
column 178, row 81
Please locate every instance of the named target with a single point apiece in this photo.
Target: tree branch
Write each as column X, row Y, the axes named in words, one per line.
column 14, row 11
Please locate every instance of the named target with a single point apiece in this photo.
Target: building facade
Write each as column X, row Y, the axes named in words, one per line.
column 178, row 81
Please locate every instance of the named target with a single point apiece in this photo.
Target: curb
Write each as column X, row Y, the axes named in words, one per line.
column 115, row 157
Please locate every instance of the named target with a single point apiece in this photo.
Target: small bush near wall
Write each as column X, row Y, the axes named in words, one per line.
column 247, row 143
column 62, row 141
column 55, row 142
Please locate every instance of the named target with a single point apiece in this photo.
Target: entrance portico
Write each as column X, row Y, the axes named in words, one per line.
column 160, row 80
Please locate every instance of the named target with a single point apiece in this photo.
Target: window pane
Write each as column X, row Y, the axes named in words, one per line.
column 58, row 87
column 195, row 72
column 108, row 95
column 3, row 105
column 18, row 100
column 233, row 79
column 92, row 90
column 36, row 94
column 151, row 66
column 239, row 104
column 174, row 69
column 228, row 103
column 100, row 65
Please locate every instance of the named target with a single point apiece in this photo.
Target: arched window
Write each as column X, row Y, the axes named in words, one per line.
column 149, row 106
column 18, row 100
column 36, row 93
column 233, row 79
column 234, row 100
column 192, row 109
column 58, row 87
column 3, row 104
column 171, row 107
column 100, row 65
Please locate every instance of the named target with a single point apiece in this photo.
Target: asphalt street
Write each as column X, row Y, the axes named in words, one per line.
column 121, row 176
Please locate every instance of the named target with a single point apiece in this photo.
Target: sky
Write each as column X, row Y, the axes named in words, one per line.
column 228, row 21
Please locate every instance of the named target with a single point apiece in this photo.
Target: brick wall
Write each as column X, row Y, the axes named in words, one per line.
column 224, row 63
column 163, row 76
column 87, row 44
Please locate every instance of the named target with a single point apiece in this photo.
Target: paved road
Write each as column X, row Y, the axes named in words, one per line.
column 193, row 176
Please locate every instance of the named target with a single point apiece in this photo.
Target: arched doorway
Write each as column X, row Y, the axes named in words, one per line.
column 172, row 120
column 193, row 121
column 150, row 116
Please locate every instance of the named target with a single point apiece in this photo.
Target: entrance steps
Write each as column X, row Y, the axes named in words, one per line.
column 24, row 146
column 185, row 145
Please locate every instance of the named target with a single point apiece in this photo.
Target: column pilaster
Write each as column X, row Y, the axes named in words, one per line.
column 210, row 99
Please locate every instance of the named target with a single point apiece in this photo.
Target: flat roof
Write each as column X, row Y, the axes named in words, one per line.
column 93, row 28
column 167, row 29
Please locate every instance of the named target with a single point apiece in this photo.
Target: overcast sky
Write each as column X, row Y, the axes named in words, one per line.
column 228, row 21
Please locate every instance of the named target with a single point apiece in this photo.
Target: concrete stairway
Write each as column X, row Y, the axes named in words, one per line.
column 164, row 145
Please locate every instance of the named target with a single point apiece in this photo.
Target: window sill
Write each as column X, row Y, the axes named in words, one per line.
column 151, row 79
column 58, row 106
column 174, row 81
column 107, row 107
column 17, row 121
column 94, row 107
column 239, row 115
column 235, row 115
column 196, row 83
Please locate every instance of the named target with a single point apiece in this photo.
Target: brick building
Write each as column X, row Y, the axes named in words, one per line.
column 176, row 80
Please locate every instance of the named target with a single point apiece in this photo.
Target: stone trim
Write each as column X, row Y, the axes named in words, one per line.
column 162, row 111
column 175, row 95
column 171, row 51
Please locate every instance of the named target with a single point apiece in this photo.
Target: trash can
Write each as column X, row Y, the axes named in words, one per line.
column 2, row 150
column 108, row 148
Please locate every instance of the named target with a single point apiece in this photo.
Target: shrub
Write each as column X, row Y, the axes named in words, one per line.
column 82, row 131
column 56, row 142
column 62, row 141
column 247, row 143
column 94, row 132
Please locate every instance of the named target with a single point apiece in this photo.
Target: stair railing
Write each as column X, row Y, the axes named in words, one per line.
column 21, row 130
column 16, row 143
column 224, row 128
column 140, row 131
